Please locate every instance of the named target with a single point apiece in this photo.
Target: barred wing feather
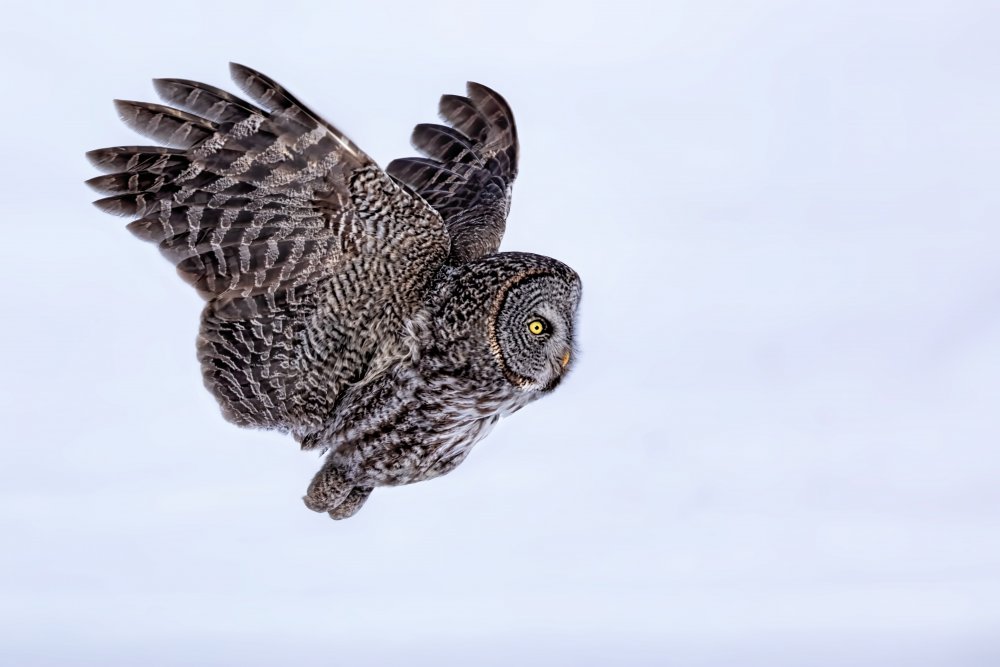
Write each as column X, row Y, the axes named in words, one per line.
column 309, row 256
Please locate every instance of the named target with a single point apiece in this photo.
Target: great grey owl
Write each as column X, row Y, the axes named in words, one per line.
column 366, row 312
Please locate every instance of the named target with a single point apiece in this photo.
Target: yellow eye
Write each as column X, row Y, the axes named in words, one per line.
column 536, row 327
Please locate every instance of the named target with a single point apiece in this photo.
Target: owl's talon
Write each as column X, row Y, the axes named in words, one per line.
column 345, row 508
column 351, row 504
column 316, row 504
column 333, row 490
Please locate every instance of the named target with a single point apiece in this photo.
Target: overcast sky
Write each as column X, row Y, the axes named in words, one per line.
column 780, row 444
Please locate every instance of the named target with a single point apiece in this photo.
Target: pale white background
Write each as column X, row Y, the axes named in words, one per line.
column 780, row 446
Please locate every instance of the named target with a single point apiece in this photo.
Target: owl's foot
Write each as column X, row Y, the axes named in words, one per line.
column 352, row 503
column 334, row 492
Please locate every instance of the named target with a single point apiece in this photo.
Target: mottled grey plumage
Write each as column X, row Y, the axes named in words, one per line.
column 364, row 311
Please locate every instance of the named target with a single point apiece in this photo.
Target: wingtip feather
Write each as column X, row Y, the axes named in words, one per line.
column 113, row 205
column 96, row 183
column 97, row 157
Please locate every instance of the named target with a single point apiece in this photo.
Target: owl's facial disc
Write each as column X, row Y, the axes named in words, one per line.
column 532, row 331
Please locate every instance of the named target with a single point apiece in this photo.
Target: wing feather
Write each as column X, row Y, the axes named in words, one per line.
column 309, row 256
column 468, row 171
column 171, row 126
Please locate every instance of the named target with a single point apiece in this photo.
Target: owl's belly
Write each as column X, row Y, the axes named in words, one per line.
column 406, row 428
column 453, row 449
column 450, row 448
column 438, row 453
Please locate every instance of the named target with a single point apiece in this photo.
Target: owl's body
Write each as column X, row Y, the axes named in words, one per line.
column 364, row 311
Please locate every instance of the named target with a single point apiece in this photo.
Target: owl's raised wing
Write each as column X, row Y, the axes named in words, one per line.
column 469, row 169
column 310, row 257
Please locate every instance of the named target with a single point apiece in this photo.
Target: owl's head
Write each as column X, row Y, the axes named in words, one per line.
column 532, row 322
